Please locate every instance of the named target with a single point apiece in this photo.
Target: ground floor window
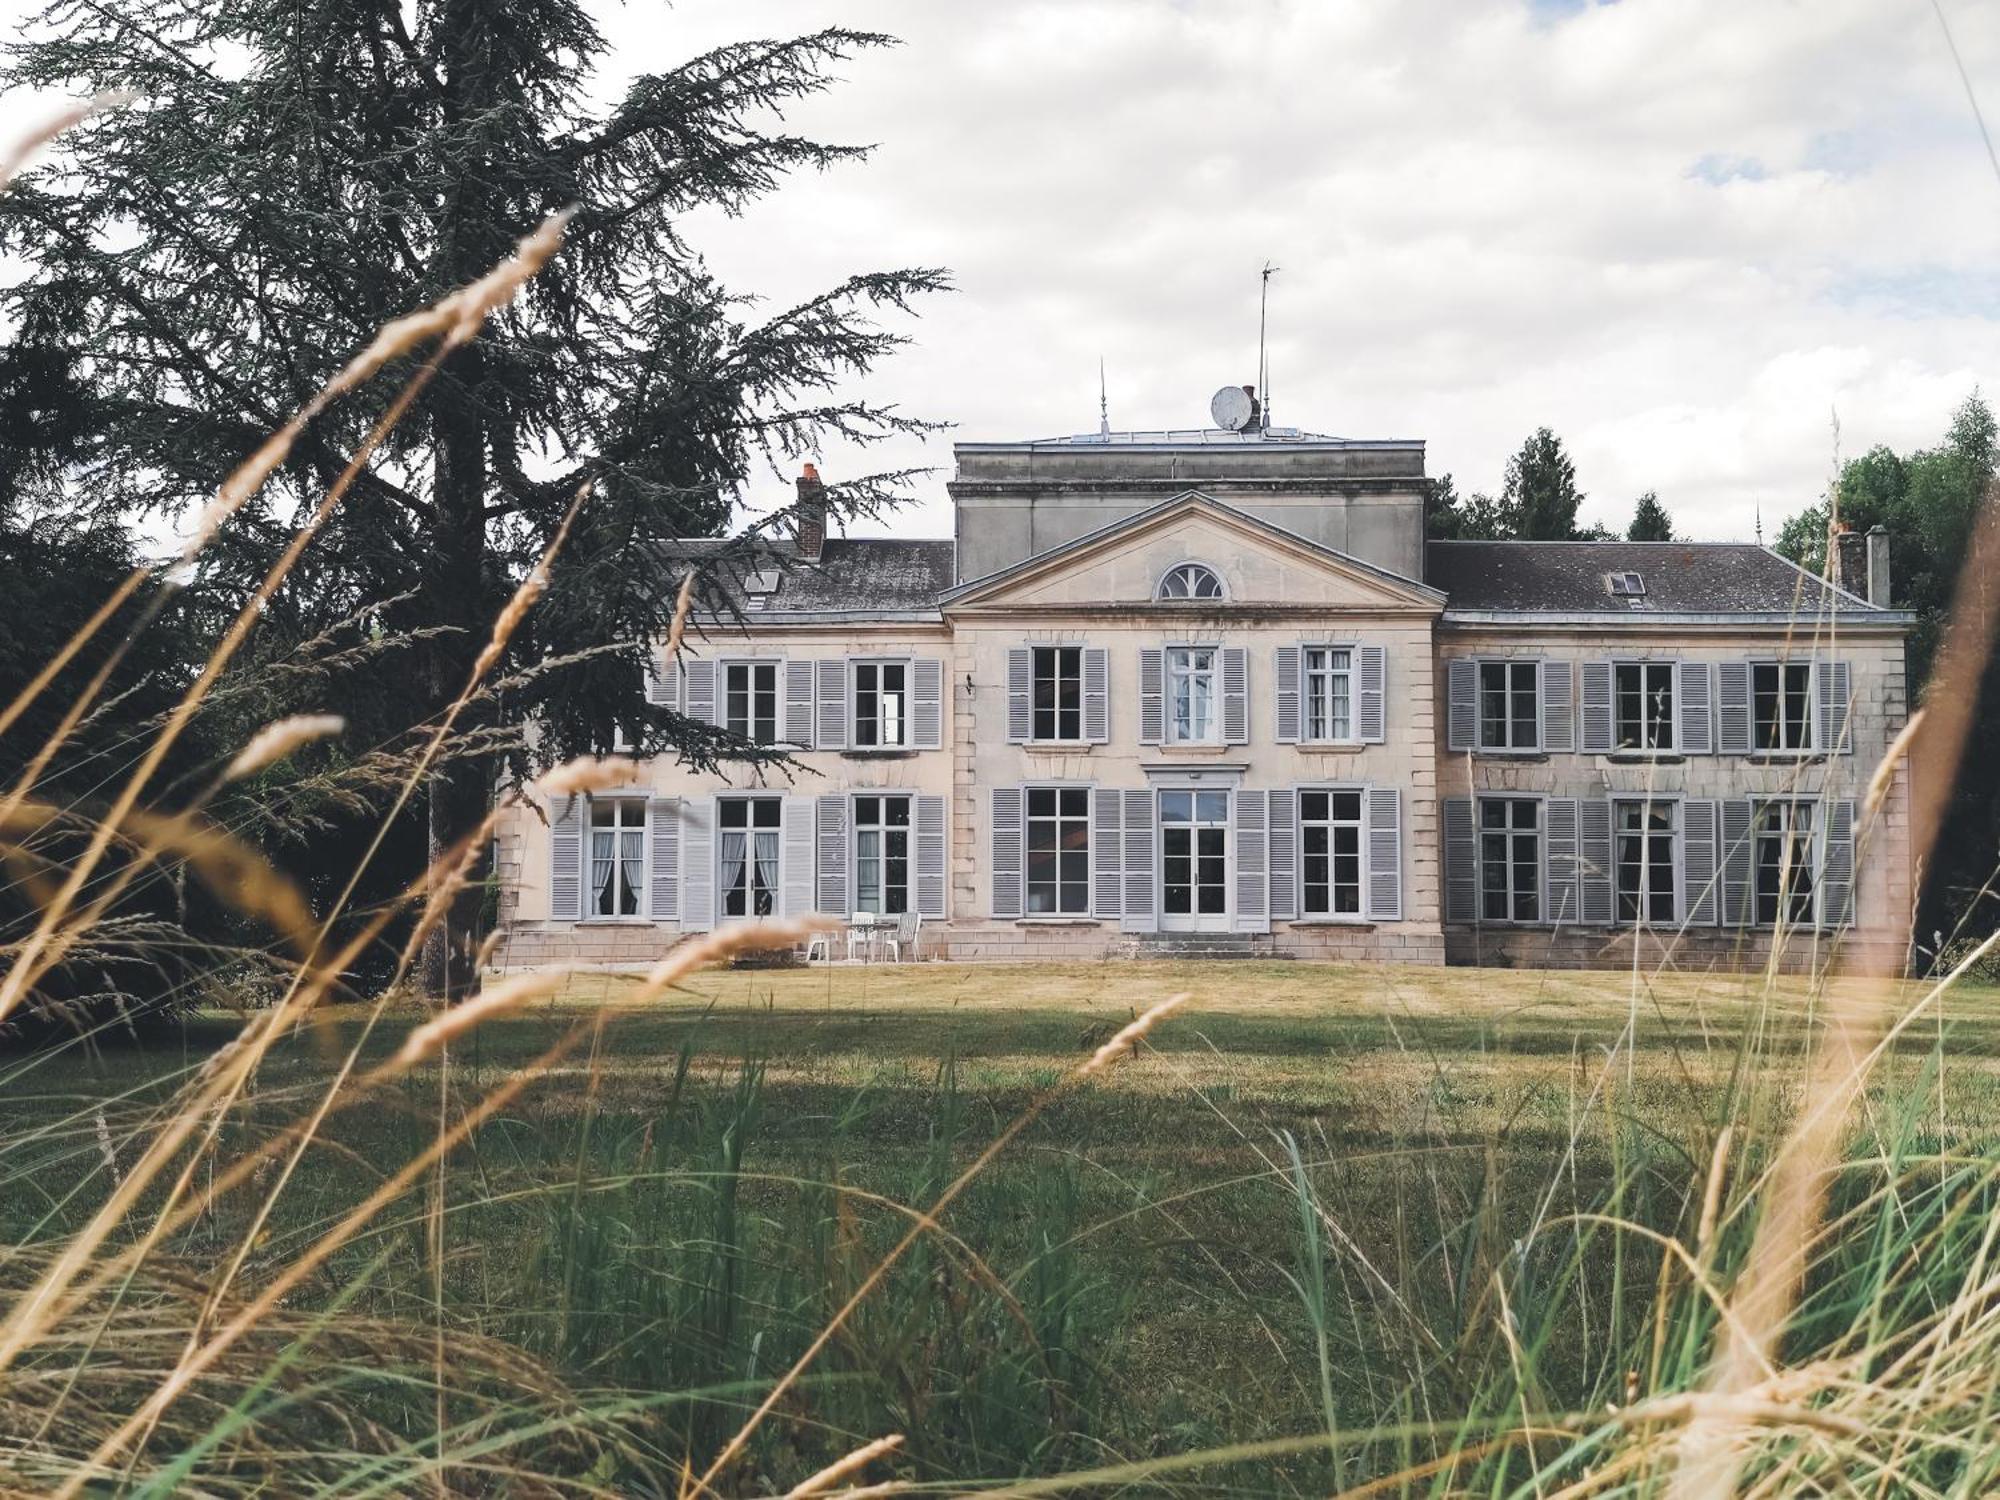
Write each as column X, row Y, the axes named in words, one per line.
column 1330, row 844
column 617, row 858
column 882, row 855
column 1058, row 851
column 1783, row 847
column 1510, row 859
column 748, row 855
column 1645, row 857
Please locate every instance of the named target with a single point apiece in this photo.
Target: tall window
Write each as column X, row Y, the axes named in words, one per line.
column 1645, row 858
column 1191, row 695
column 882, row 855
column 1783, row 847
column 750, row 700
column 881, row 704
column 1509, row 707
column 1510, row 859
column 617, row 858
column 1781, row 704
column 1329, row 693
column 1191, row 581
column 1645, row 705
column 1330, row 843
column 1058, row 850
column 1058, row 692
column 748, row 856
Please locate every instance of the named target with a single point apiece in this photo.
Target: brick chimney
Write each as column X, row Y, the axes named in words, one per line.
column 1850, row 561
column 1878, row 566
column 809, row 523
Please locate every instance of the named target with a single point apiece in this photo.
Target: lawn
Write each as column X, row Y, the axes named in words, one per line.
column 1310, row 1171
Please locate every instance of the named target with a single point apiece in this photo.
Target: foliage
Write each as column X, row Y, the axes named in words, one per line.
column 1539, row 492
column 1650, row 521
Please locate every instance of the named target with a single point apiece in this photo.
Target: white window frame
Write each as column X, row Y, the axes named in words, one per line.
column 1190, row 566
column 752, row 664
column 1541, row 832
column 1307, row 696
column 644, row 828
column 1646, row 665
column 855, row 829
column 750, row 829
column 1534, row 666
column 1780, row 665
column 1815, row 856
column 1170, row 724
column 1194, row 792
column 1056, row 648
column 1028, row 819
column 854, row 670
column 1678, row 863
column 1360, row 823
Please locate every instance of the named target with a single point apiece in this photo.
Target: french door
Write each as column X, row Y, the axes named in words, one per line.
column 1194, row 861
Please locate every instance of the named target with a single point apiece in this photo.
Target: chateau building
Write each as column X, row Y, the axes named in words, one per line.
column 1211, row 690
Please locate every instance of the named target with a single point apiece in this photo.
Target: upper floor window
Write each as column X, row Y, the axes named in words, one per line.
column 617, row 859
column 1191, row 581
column 750, row 700
column 1191, row 717
column 1645, row 705
column 1329, row 687
column 1781, row 705
column 1509, row 705
column 1058, row 693
column 881, row 705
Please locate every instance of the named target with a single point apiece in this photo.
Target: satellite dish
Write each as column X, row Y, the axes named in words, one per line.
column 1232, row 408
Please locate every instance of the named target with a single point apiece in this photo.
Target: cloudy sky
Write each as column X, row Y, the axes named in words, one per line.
column 1689, row 235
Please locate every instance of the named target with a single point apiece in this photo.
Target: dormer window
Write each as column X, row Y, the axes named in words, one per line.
column 1625, row 585
column 758, row 588
column 1191, row 581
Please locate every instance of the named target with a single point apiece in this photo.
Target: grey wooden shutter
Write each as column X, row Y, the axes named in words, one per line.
column 797, row 856
column 1371, row 717
column 799, row 704
column 698, row 865
column 1461, row 704
column 662, row 680
column 832, row 837
column 701, row 692
column 1008, row 838
column 1287, row 673
column 1693, row 709
column 1152, row 692
column 1736, row 861
column 1834, row 683
column 1558, row 707
column 1836, row 875
column 664, row 895
column 1461, row 861
column 1107, row 852
column 927, row 703
column 566, row 829
column 1253, row 876
column 1559, row 855
column 1593, row 857
column 1141, row 913
column 1733, row 711
column 1283, row 841
column 1599, row 733
column 1020, row 694
column 930, row 855
column 1699, row 899
column 1384, row 805
column 1096, row 695
column 1235, row 695
column 832, row 684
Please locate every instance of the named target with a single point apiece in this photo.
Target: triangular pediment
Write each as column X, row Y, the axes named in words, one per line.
column 1258, row 563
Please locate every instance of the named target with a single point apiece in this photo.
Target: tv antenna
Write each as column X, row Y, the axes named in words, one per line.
column 1263, row 356
column 1103, row 402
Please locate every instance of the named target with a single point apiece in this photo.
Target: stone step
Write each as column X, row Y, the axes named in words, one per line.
column 1205, row 945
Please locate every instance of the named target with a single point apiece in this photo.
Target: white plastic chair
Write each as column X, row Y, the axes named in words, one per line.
column 820, row 943
column 861, row 934
column 901, row 941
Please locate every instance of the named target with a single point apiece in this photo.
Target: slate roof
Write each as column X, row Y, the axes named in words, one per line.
column 1728, row 578
column 887, row 577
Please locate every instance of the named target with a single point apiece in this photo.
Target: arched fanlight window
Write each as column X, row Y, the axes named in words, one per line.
column 1191, row 581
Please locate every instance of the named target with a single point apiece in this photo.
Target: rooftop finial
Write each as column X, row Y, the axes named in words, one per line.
column 1760, row 522
column 1103, row 402
column 1263, row 359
